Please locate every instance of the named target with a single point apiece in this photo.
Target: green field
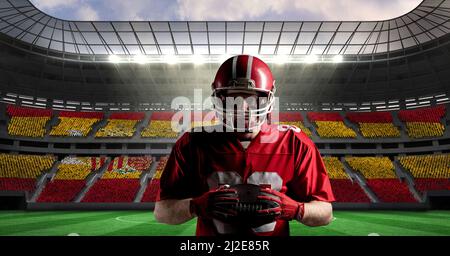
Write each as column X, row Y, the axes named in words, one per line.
column 129, row 223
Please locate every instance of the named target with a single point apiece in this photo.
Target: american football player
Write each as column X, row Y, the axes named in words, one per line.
column 281, row 159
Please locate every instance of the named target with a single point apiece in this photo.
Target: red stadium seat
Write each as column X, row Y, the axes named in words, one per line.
column 345, row 191
column 391, row 190
column 112, row 191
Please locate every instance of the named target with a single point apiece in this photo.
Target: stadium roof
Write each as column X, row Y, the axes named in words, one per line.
column 155, row 40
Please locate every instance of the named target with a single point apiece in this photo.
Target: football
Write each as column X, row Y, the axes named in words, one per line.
column 248, row 210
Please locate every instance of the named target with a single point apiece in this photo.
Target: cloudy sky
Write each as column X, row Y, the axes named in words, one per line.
column 229, row 10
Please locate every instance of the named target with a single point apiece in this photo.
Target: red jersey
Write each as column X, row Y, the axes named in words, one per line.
column 280, row 155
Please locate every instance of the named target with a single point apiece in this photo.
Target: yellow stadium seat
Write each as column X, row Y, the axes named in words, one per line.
column 334, row 129
column 427, row 166
column 373, row 167
column 118, row 128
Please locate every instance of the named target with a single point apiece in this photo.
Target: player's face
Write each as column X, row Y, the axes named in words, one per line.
column 240, row 108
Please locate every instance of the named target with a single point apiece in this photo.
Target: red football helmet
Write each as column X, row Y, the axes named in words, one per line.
column 249, row 75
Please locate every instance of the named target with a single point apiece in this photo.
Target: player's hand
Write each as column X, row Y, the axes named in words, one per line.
column 201, row 206
column 289, row 208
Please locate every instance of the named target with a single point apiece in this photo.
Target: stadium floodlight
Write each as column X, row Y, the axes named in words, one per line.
column 170, row 59
column 338, row 59
column 311, row 58
column 280, row 59
column 198, row 59
column 140, row 59
column 114, row 59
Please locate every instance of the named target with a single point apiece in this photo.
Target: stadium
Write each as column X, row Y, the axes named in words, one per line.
column 86, row 110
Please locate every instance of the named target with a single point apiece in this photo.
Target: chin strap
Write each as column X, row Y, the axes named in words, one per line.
column 229, row 125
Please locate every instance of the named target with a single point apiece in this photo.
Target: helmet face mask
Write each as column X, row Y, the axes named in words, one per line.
column 242, row 114
column 243, row 103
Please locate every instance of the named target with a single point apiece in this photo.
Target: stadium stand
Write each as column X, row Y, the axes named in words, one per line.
column 347, row 191
column 203, row 119
column 121, row 124
column 374, row 124
column 160, row 126
column 120, row 182
column 335, row 168
column 293, row 118
column 391, row 190
column 379, row 174
column 423, row 122
column 344, row 189
column 27, row 122
column 430, row 172
column 31, row 122
column 330, row 125
column 75, row 124
column 70, row 178
column 19, row 172
column 152, row 190
column 381, row 178
column 373, row 167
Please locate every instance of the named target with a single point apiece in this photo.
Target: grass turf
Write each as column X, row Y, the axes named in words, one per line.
column 141, row 223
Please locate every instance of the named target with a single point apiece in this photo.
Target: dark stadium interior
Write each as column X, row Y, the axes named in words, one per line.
column 399, row 66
